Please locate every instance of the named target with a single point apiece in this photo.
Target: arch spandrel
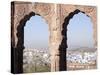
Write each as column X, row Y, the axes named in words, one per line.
column 22, row 9
column 67, row 9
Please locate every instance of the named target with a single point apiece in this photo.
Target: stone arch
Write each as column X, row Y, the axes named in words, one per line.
column 66, row 22
column 20, row 29
column 20, row 36
column 64, row 45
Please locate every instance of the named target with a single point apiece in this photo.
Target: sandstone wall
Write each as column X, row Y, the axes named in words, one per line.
column 57, row 17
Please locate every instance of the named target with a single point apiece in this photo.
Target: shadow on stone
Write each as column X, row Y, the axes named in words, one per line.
column 17, row 52
column 64, row 45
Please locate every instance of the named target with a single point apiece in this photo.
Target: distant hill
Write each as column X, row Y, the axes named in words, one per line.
column 83, row 49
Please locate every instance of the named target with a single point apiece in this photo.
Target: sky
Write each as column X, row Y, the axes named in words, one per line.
column 36, row 33
column 79, row 34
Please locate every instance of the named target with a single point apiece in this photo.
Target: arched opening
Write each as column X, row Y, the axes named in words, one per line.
column 80, row 32
column 36, row 39
column 81, row 52
column 20, row 48
column 65, row 46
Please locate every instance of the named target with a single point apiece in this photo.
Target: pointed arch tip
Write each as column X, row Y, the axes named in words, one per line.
column 32, row 14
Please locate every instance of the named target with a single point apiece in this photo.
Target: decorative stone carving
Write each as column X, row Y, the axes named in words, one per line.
column 89, row 9
column 42, row 8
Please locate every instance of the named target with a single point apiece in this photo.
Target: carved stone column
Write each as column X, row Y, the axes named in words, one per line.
column 57, row 50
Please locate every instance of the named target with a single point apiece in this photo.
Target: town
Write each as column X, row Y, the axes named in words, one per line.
column 38, row 60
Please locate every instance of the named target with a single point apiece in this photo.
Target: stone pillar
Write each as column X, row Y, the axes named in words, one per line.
column 58, row 55
column 18, row 13
column 94, row 21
